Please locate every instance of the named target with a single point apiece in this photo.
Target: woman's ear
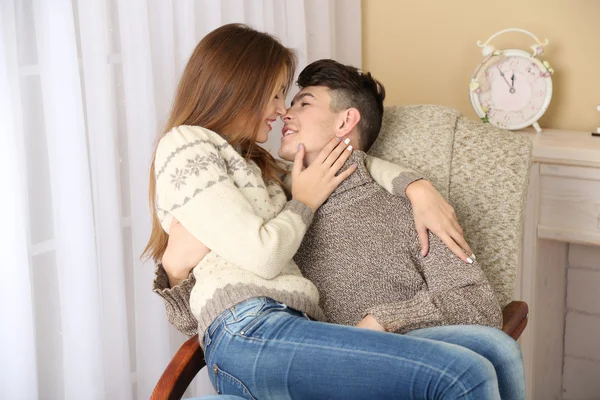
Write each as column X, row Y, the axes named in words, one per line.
column 348, row 120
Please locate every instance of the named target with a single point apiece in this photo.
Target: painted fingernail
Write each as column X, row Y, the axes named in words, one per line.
column 349, row 148
column 299, row 146
column 469, row 260
column 347, row 141
column 423, row 253
column 339, row 139
column 473, row 256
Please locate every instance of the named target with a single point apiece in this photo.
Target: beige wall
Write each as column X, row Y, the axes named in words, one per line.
column 424, row 51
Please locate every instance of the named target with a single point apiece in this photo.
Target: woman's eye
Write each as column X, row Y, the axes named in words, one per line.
column 303, row 104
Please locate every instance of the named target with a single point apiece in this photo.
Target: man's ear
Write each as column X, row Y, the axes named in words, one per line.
column 348, row 120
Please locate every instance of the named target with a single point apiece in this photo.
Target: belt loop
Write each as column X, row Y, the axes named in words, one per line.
column 207, row 339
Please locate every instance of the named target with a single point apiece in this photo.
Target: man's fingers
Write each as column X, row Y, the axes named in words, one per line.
column 298, row 161
column 423, row 234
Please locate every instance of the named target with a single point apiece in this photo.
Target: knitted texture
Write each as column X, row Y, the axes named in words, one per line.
column 421, row 137
column 363, row 254
column 483, row 171
column 253, row 234
column 251, row 228
column 488, row 188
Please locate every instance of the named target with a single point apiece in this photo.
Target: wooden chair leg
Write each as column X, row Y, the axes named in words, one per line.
column 515, row 318
column 180, row 372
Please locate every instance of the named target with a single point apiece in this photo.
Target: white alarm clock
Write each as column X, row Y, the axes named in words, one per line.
column 511, row 88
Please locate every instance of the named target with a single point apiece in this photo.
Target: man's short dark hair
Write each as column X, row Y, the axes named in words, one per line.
column 350, row 88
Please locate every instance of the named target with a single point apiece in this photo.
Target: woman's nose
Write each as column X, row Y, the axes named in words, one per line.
column 280, row 108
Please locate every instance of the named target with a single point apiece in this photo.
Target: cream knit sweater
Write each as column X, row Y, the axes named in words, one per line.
column 251, row 228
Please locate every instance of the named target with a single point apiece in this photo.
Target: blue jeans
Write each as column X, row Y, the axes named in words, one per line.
column 262, row 349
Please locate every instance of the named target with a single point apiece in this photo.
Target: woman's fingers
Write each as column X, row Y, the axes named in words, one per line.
column 460, row 240
column 313, row 185
column 423, row 234
column 341, row 150
column 298, row 161
column 455, row 248
column 341, row 160
column 340, row 178
column 323, row 154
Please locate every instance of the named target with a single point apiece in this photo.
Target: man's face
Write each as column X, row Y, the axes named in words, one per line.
column 309, row 121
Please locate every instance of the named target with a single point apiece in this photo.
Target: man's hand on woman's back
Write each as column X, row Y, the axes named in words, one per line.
column 183, row 253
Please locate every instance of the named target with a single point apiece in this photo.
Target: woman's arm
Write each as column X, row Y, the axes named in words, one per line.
column 392, row 177
column 431, row 211
column 206, row 201
column 174, row 280
column 177, row 301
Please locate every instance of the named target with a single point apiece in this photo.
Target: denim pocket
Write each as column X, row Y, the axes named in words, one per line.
column 225, row 383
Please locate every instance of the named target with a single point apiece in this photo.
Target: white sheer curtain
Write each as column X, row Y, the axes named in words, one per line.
column 85, row 86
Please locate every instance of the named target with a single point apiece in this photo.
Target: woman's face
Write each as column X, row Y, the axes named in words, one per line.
column 275, row 107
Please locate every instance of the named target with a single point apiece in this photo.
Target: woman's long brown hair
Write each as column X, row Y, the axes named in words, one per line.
column 226, row 87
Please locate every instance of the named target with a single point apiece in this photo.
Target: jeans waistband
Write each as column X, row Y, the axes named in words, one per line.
column 241, row 308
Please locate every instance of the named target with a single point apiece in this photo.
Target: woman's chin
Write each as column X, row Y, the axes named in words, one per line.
column 262, row 138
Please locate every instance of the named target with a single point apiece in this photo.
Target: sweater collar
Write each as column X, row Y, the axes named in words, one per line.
column 358, row 178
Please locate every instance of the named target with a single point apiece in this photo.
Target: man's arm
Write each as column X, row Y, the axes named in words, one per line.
column 177, row 301
column 456, row 293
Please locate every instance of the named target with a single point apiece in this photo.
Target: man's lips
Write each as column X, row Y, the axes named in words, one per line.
column 287, row 131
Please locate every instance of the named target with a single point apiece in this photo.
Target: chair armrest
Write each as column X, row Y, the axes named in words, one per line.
column 514, row 318
column 180, row 372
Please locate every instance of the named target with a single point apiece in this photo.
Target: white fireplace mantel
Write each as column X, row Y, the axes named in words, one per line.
column 563, row 206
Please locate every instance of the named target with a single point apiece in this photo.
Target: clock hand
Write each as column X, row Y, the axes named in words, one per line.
column 502, row 75
column 512, row 87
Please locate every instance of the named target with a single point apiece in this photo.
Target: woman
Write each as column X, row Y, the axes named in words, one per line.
column 255, row 312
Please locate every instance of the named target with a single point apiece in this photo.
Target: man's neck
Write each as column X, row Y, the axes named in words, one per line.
column 309, row 158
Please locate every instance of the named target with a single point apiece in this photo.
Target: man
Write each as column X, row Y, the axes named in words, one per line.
column 362, row 248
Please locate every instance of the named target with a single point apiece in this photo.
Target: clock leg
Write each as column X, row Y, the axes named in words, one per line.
column 537, row 128
column 598, row 130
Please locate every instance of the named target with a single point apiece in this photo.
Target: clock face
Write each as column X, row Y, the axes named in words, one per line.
column 514, row 90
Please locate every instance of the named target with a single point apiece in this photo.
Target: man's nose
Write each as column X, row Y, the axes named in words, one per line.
column 287, row 116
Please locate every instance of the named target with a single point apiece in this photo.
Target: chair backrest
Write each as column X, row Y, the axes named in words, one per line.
column 483, row 171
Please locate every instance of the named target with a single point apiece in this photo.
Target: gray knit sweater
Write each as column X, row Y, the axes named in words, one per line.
column 363, row 254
